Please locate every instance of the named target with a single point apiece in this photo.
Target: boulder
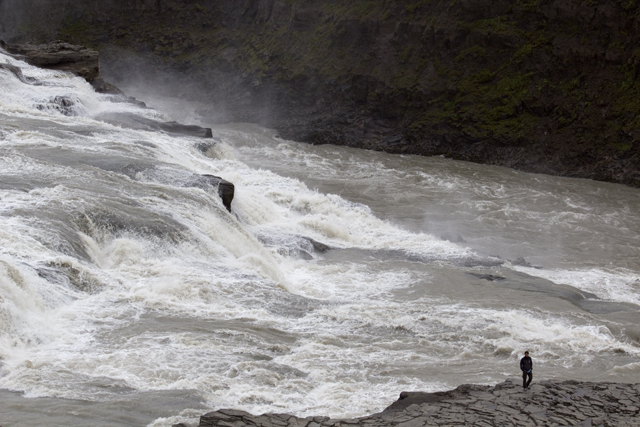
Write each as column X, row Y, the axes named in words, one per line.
column 226, row 190
column 204, row 147
column 100, row 86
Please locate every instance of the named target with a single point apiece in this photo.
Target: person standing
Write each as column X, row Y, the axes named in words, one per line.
column 526, row 366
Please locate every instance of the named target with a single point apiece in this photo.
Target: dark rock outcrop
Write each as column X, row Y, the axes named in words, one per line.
column 546, row 86
column 548, row 403
column 64, row 104
column 143, row 123
column 226, row 190
column 58, row 55
column 84, row 63
column 191, row 130
column 101, row 86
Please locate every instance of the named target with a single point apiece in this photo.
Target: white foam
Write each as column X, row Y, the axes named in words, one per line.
column 112, row 282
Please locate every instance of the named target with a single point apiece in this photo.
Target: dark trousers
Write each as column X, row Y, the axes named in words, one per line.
column 526, row 383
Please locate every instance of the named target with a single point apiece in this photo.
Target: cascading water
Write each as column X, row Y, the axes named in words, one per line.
column 130, row 295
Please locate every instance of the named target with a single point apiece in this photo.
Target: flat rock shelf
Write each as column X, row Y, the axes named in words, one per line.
column 547, row 403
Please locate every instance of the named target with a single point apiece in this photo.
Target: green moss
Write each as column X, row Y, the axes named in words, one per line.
column 629, row 5
column 621, row 147
column 76, row 31
column 414, row 7
column 484, row 76
column 529, row 5
column 497, row 25
column 439, row 113
column 616, row 45
column 473, row 52
column 405, row 54
column 441, row 69
column 487, row 105
column 370, row 9
column 486, row 90
column 524, row 51
column 626, row 103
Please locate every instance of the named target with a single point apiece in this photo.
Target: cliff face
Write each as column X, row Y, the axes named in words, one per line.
column 540, row 85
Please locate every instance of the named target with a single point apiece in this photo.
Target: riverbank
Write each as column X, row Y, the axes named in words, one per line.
column 547, row 403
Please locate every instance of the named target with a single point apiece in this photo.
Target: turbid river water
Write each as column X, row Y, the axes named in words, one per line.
column 130, row 296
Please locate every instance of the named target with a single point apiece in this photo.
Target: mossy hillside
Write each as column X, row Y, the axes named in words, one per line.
column 516, row 73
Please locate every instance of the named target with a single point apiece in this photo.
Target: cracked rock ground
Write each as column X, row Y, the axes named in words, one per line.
column 547, row 403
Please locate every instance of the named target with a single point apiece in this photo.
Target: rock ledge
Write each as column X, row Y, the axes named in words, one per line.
column 58, row 55
column 547, row 403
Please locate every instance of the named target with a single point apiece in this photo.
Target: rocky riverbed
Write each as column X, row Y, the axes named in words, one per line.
column 547, row 403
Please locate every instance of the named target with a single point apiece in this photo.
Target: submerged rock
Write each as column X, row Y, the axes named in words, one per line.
column 489, row 277
column 64, row 104
column 204, row 147
column 142, row 123
column 190, row 130
column 17, row 71
column 453, row 237
column 520, row 261
column 547, row 403
column 295, row 246
column 225, row 189
column 100, row 86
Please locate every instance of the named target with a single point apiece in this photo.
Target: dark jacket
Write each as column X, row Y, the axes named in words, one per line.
column 526, row 364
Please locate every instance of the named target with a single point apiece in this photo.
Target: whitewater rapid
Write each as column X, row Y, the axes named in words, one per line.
column 327, row 289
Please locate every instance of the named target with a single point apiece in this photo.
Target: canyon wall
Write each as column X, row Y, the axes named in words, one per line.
column 541, row 86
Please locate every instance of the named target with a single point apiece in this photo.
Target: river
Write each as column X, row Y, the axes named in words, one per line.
column 130, row 296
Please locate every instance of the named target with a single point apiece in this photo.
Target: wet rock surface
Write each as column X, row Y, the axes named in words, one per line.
column 547, row 403
column 59, row 55
column 143, row 123
column 226, row 190
column 84, row 63
column 16, row 71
